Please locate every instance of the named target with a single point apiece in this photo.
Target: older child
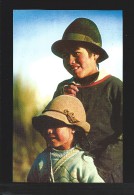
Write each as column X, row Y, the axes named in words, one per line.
column 66, row 159
column 100, row 93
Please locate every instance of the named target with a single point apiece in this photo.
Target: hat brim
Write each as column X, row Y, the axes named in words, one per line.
column 39, row 122
column 60, row 46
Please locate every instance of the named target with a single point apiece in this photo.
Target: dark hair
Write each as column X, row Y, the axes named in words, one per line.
column 80, row 139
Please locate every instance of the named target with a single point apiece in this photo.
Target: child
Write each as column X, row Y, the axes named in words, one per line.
column 65, row 160
column 100, row 93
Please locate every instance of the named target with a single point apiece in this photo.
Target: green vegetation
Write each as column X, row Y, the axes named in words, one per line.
column 27, row 143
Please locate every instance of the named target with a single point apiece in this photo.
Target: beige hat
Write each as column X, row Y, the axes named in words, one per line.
column 65, row 108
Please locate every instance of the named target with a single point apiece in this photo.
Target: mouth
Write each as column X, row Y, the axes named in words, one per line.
column 50, row 137
column 75, row 68
column 51, row 140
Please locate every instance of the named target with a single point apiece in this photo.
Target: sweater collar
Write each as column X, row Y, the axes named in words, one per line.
column 59, row 153
column 90, row 79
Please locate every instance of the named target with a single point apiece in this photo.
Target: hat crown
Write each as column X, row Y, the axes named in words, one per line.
column 82, row 32
column 84, row 27
column 69, row 106
column 63, row 108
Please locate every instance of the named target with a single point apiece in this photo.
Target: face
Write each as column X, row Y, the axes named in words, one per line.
column 59, row 137
column 79, row 62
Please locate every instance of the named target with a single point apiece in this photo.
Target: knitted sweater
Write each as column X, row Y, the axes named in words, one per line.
column 78, row 168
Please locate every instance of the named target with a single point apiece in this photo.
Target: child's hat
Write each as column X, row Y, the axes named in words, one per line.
column 81, row 31
column 64, row 108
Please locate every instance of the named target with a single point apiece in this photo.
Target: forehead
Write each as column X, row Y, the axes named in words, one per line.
column 73, row 48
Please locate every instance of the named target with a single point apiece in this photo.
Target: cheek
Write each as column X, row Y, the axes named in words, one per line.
column 83, row 59
column 86, row 63
column 63, row 135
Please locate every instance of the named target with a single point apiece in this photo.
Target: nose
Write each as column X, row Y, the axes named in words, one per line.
column 50, row 131
column 69, row 59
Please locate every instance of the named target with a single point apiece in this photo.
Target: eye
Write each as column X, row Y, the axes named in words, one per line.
column 67, row 54
column 76, row 53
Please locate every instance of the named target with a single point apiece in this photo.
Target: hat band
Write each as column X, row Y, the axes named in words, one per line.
column 70, row 115
column 79, row 37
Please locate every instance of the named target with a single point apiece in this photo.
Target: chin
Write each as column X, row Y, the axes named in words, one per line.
column 79, row 76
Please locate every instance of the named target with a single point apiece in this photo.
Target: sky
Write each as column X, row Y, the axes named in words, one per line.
column 34, row 32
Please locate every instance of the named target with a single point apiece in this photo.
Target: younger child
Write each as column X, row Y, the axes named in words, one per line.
column 65, row 160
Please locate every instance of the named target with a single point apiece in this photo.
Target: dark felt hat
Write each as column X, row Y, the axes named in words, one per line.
column 81, row 31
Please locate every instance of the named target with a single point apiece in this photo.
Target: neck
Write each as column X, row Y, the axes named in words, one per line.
column 87, row 80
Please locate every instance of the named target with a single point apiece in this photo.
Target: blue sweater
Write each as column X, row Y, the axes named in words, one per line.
column 79, row 168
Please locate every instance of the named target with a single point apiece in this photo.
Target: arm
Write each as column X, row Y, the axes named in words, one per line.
column 33, row 174
column 110, row 160
column 89, row 171
column 67, row 88
column 39, row 170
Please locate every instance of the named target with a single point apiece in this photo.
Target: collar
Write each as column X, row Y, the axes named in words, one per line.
column 92, row 79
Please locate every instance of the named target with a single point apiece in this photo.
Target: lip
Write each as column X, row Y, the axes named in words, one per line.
column 74, row 68
column 51, row 137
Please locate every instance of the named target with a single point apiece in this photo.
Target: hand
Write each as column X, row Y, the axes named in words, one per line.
column 70, row 89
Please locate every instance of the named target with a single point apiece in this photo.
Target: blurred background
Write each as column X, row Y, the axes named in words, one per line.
column 37, row 71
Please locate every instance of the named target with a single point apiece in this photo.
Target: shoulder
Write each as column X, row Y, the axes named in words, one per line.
column 86, row 158
column 116, row 80
column 115, row 84
column 41, row 156
column 109, row 80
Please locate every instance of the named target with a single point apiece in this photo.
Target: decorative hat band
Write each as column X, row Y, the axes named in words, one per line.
column 79, row 37
column 70, row 115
